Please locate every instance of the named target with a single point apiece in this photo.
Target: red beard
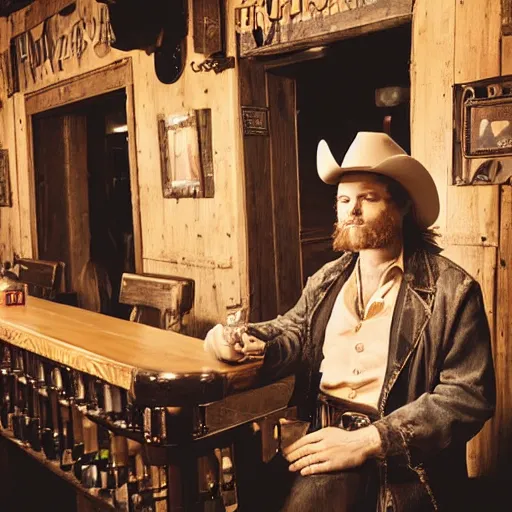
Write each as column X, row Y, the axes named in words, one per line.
column 354, row 235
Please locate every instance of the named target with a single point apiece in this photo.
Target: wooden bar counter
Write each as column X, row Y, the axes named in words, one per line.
column 155, row 365
column 138, row 418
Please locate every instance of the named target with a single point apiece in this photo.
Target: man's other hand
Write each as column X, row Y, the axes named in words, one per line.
column 333, row 449
column 222, row 348
column 217, row 344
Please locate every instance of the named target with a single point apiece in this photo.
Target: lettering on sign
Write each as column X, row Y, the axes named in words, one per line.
column 267, row 23
column 255, row 120
column 60, row 42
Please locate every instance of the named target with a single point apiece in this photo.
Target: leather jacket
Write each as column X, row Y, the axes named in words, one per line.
column 439, row 386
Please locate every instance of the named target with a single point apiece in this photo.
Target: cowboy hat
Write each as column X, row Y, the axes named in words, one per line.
column 378, row 153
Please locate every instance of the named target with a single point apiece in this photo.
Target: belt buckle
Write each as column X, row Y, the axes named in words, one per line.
column 354, row 420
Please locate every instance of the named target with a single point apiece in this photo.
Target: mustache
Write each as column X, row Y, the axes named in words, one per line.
column 354, row 221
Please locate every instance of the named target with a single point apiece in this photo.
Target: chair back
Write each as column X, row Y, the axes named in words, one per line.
column 44, row 279
column 171, row 297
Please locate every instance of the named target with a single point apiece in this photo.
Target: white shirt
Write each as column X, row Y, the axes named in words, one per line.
column 356, row 351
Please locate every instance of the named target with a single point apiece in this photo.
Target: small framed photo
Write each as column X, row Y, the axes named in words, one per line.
column 5, row 182
column 186, row 154
column 488, row 127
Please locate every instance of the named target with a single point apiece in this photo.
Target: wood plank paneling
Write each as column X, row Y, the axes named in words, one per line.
column 431, row 99
column 26, row 202
column 77, row 196
column 474, row 211
column 134, row 177
column 285, row 190
column 203, row 239
column 506, row 55
column 472, row 214
column 477, row 39
column 500, row 437
column 480, row 262
column 262, row 269
column 464, row 37
column 9, row 216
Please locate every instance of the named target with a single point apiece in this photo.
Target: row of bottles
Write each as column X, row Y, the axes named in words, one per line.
column 94, row 430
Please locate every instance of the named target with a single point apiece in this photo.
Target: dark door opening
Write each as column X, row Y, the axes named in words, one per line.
column 335, row 100
column 83, row 197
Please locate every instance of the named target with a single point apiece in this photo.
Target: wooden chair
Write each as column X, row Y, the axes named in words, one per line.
column 171, row 297
column 44, row 279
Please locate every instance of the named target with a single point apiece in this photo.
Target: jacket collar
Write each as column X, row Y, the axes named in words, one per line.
column 418, row 271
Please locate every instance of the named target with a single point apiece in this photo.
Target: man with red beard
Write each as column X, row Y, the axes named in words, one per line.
column 389, row 344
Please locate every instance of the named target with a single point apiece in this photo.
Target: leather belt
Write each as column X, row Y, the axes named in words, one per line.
column 334, row 412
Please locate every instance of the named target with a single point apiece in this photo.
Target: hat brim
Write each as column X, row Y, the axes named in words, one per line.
column 404, row 169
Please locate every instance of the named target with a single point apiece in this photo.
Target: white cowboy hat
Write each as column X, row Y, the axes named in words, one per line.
column 379, row 153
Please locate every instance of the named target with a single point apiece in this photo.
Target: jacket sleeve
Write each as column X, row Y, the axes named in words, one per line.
column 461, row 401
column 284, row 337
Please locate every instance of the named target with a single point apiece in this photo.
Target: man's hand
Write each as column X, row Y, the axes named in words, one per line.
column 222, row 348
column 333, row 449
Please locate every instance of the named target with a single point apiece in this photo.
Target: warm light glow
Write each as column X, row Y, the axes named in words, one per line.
column 120, row 129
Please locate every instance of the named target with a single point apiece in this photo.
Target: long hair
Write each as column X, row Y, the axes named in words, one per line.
column 414, row 236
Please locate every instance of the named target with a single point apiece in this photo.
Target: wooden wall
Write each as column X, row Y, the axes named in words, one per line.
column 456, row 42
column 453, row 41
column 203, row 239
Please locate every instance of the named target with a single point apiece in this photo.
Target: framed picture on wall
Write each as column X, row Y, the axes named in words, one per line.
column 482, row 135
column 488, row 127
column 186, row 154
column 5, row 182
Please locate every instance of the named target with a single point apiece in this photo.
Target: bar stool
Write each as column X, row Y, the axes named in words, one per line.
column 171, row 297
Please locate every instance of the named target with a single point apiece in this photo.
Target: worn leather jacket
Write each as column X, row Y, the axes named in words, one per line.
column 439, row 386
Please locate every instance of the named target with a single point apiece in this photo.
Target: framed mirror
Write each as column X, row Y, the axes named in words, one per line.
column 186, row 154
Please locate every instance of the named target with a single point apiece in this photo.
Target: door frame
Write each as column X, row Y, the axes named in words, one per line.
column 270, row 150
column 274, row 271
column 116, row 76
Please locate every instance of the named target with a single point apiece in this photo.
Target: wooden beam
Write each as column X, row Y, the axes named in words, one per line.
column 431, row 84
column 110, row 78
column 285, row 190
column 36, row 13
column 134, row 178
column 283, row 33
column 501, row 436
column 260, row 238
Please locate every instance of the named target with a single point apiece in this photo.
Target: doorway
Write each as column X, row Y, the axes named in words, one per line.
column 336, row 98
column 83, row 197
column 323, row 93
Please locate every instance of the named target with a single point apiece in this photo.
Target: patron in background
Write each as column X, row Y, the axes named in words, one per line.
column 389, row 343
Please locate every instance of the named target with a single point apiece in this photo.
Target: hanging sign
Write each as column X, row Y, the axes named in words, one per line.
column 272, row 26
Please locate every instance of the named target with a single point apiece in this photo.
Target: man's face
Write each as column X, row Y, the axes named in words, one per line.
column 367, row 216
